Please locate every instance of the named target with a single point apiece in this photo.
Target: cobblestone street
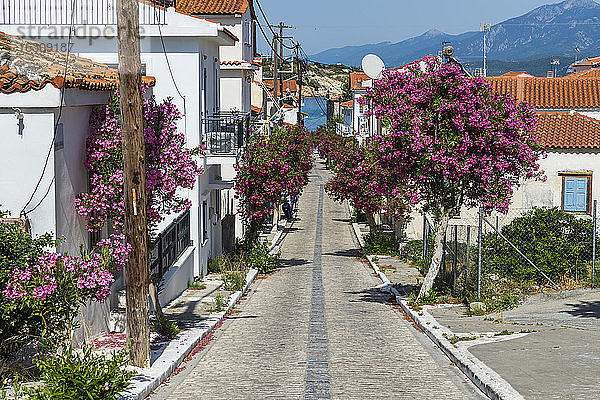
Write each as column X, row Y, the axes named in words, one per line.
column 318, row 328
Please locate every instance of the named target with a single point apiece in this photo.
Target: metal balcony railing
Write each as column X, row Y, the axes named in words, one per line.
column 77, row 12
column 225, row 133
column 170, row 245
column 343, row 129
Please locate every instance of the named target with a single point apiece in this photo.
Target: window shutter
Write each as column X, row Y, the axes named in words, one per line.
column 246, row 32
column 576, row 194
column 581, row 194
column 569, row 193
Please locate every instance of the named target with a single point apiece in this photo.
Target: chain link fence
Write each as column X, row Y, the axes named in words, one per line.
column 524, row 250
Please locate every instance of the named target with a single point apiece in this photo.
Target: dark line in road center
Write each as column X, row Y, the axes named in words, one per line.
column 317, row 369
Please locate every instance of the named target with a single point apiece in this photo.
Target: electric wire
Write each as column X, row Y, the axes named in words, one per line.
column 24, row 213
column 317, row 99
column 162, row 41
column 265, row 18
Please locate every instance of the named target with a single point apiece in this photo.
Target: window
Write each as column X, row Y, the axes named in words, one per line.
column 576, row 192
column 246, row 33
column 204, row 222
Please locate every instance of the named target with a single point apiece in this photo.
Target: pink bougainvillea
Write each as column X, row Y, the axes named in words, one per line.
column 450, row 141
column 170, row 166
column 38, row 281
column 273, row 166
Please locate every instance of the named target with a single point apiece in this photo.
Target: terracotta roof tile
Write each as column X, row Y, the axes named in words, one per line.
column 240, row 62
column 212, row 6
column 356, row 80
column 518, row 73
column 288, row 84
column 27, row 65
column 568, row 130
column 548, row 93
column 590, row 61
column 586, row 73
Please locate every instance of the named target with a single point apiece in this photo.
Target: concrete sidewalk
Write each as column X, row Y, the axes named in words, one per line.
column 559, row 357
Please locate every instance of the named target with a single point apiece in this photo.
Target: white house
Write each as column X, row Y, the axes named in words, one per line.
column 44, row 145
column 183, row 53
column 238, row 62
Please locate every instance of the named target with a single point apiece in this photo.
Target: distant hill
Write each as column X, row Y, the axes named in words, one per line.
column 547, row 32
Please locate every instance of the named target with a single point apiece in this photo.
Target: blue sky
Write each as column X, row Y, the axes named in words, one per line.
column 323, row 24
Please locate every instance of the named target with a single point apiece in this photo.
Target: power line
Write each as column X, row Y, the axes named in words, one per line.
column 265, row 18
column 268, row 40
column 162, row 41
column 60, row 108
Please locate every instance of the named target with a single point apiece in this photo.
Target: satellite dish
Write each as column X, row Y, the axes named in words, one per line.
column 373, row 66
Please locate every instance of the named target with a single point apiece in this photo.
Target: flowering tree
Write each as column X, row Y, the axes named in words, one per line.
column 452, row 141
column 273, row 166
column 41, row 291
column 357, row 177
column 170, row 166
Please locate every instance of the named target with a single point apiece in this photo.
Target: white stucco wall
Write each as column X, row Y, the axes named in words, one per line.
column 534, row 193
column 22, row 163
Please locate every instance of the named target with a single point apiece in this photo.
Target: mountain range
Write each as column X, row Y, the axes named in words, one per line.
column 531, row 40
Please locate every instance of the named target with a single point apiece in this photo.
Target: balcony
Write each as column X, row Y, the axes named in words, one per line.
column 343, row 129
column 78, row 12
column 225, row 133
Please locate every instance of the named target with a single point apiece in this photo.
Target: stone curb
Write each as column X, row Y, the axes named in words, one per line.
column 485, row 378
column 147, row 380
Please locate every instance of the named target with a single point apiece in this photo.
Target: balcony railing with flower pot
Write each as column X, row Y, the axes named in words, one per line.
column 225, row 133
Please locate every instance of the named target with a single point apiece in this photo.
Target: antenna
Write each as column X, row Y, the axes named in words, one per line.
column 373, row 66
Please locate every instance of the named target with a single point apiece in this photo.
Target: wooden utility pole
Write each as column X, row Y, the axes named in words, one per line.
column 275, row 73
column 300, row 120
column 137, row 273
column 277, row 81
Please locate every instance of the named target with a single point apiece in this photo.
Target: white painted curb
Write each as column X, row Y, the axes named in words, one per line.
column 485, row 378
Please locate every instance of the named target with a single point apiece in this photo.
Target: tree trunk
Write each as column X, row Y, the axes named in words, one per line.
column 371, row 222
column 436, row 260
column 155, row 302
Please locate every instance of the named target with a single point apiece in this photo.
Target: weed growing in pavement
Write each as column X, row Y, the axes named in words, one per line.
column 165, row 328
column 415, row 302
column 233, row 281
column 504, row 333
column 220, row 303
column 197, row 285
column 455, row 339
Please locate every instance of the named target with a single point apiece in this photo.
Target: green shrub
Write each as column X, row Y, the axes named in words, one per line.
column 21, row 323
column 259, row 258
column 165, row 328
column 71, row 374
column 214, row 265
column 556, row 242
column 233, row 281
column 381, row 244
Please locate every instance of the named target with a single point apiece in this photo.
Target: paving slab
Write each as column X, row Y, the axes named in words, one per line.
column 318, row 328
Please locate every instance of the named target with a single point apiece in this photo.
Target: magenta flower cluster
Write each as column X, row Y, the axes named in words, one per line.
column 273, row 166
column 170, row 166
column 39, row 281
column 450, row 140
